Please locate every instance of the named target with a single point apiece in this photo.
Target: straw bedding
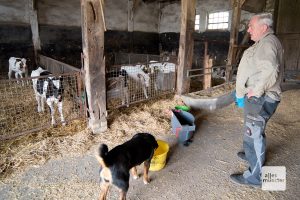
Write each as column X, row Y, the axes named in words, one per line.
column 75, row 139
column 214, row 91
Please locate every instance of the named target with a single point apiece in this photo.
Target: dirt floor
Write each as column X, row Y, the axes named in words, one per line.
column 199, row 171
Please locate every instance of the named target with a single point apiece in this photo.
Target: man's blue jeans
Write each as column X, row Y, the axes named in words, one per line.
column 257, row 112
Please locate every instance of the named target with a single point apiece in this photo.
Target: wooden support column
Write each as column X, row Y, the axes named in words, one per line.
column 130, row 11
column 32, row 7
column 186, row 45
column 93, row 27
column 241, row 47
column 207, row 63
column 234, row 31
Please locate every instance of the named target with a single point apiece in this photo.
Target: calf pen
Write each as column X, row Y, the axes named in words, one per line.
column 127, row 84
column 18, row 105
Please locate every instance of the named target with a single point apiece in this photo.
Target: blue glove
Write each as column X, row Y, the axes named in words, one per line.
column 240, row 102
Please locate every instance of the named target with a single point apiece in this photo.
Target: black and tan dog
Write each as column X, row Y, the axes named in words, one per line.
column 116, row 163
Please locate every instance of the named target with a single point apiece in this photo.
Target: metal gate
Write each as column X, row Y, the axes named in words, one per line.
column 18, row 105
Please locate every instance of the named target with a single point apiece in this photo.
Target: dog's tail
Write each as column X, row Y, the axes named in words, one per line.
column 103, row 150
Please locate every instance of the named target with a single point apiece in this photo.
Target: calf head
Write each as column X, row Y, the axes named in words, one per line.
column 21, row 64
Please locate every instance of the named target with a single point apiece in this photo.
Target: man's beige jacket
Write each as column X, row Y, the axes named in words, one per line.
column 261, row 68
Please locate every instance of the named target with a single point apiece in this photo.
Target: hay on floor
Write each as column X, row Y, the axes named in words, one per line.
column 75, row 139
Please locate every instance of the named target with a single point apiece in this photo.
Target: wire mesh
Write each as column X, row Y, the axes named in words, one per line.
column 18, row 105
column 129, row 84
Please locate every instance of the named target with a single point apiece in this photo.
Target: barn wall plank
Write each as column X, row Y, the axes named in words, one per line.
column 288, row 30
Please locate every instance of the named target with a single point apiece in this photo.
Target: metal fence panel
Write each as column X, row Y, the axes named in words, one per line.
column 18, row 106
column 139, row 83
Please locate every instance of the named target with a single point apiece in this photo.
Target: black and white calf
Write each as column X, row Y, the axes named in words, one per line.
column 49, row 89
column 17, row 65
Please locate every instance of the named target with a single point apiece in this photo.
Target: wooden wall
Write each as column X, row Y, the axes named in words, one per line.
column 288, row 30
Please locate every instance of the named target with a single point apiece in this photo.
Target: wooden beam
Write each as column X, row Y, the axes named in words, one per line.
column 253, row 6
column 207, row 63
column 234, row 31
column 241, row 47
column 93, row 27
column 32, row 7
column 242, row 3
column 55, row 66
column 186, row 45
column 130, row 10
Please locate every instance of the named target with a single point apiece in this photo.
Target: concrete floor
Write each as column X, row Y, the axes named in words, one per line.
column 199, row 171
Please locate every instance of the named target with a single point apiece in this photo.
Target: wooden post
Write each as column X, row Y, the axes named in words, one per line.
column 207, row 63
column 241, row 47
column 234, row 31
column 32, row 5
column 93, row 27
column 186, row 45
column 130, row 11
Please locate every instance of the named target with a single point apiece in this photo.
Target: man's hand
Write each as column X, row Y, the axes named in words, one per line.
column 250, row 93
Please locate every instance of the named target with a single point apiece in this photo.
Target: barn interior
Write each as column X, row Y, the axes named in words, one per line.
column 85, row 40
column 152, row 27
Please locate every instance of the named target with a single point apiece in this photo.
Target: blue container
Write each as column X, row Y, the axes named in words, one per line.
column 183, row 126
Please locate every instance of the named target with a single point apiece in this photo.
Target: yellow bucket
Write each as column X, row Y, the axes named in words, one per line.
column 160, row 155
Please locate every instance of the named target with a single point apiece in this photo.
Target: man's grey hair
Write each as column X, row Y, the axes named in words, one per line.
column 265, row 18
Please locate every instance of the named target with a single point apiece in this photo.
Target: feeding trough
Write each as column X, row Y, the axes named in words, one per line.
column 211, row 99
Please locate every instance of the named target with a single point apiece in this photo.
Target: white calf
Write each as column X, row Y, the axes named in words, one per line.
column 117, row 86
column 48, row 89
column 165, row 75
column 138, row 76
column 17, row 65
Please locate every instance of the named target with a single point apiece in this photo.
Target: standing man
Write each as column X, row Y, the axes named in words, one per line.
column 258, row 92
